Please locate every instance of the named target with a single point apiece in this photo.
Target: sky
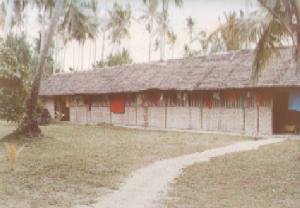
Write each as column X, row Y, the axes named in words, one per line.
column 206, row 14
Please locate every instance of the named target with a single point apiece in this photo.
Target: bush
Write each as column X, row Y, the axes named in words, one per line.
column 16, row 71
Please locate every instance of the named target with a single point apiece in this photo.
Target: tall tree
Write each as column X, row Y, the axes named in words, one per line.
column 116, row 59
column 283, row 22
column 80, row 22
column 12, row 16
column 190, row 23
column 119, row 23
column 149, row 15
column 9, row 16
column 236, row 32
column 45, row 8
column 171, row 39
column 163, row 23
column 104, row 28
column 30, row 125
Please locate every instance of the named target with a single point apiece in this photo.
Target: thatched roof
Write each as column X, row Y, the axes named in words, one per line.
column 214, row 72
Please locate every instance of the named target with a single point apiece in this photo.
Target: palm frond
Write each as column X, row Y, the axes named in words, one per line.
column 270, row 40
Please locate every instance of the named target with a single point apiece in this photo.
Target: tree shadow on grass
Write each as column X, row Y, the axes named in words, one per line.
column 18, row 138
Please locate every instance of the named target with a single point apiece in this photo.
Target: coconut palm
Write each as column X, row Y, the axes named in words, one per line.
column 171, row 39
column 201, row 44
column 283, row 22
column 119, row 23
column 30, row 125
column 163, row 23
column 190, row 23
column 12, row 15
column 71, row 17
column 228, row 32
column 237, row 31
column 149, row 15
column 45, row 8
column 104, row 28
column 80, row 22
column 9, row 16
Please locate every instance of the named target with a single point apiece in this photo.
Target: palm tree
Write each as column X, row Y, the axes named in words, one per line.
column 237, row 31
column 30, row 125
column 45, row 8
column 80, row 24
column 9, row 16
column 228, row 32
column 163, row 22
column 70, row 17
column 283, row 22
column 119, row 23
column 190, row 23
column 103, row 29
column 171, row 39
column 149, row 16
column 12, row 15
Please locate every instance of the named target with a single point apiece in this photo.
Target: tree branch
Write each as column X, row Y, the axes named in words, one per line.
column 276, row 16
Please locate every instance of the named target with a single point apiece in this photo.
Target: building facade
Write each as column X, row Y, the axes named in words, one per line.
column 211, row 93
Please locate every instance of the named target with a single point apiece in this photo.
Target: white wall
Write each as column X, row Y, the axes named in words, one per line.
column 235, row 120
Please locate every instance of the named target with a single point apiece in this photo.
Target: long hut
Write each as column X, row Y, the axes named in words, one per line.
column 212, row 93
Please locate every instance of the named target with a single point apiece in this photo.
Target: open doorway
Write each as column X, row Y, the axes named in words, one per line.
column 62, row 109
column 285, row 120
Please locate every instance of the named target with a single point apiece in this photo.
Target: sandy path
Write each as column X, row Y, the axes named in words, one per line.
column 147, row 185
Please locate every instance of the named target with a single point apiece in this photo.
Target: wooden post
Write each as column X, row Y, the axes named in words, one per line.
column 146, row 122
column 244, row 117
column 136, row 123
column 272, row 112
column 201, row 117
column 257, row 119
column 166, row 112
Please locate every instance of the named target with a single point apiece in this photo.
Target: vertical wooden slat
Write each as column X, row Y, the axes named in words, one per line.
column 257, row 119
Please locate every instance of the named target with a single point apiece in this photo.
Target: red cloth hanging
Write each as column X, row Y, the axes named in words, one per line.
column 154, row 99
column 117, row 105
column 209, row 103
column 231, row 97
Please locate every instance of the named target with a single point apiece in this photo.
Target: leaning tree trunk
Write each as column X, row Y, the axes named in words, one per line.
column 30, row 126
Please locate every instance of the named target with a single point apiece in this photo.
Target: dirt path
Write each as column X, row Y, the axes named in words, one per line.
column 147, row 185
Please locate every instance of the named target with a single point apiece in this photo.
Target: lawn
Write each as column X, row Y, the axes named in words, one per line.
column 75, row 164
column 268, row 177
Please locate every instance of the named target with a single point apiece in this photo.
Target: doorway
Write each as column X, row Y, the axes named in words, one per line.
column 62, row 108
column 284, row 119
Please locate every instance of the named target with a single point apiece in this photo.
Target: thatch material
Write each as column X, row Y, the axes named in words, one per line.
column 214, row 72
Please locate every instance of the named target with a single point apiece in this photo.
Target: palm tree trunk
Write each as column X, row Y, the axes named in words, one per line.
column 150, row 44
column 296, row 40
column 95, row 51
column 64, row 57
column 9, row 16
column 165, row 4
column 74, row 65
column 82, row 55
column 103, row 46
column 30, row 126
column 43, row 30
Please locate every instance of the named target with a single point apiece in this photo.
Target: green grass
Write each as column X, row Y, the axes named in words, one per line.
column 268, row 177
column 75, row 164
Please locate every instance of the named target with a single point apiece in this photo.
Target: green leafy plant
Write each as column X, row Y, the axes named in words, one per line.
column 115, row 59
column 16, row 69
